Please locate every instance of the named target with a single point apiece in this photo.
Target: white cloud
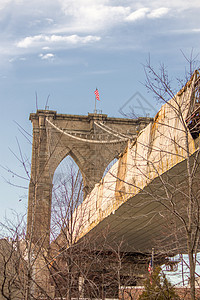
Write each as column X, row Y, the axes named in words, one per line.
column 13, row 59
column 91, row 16
column 63, row 24
column 184, row 31
column 49, row 20
column 196, row 30
column 28, row 41
column 179, row 5
column 4, row 3
column 146, row 12
column 39, row 40
column 158, row 13
column 138, row 14
column 47, row 56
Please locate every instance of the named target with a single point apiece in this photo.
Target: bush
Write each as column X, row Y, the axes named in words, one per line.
column 157, row 287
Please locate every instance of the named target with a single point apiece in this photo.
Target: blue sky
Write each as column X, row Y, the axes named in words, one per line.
column 67, row 48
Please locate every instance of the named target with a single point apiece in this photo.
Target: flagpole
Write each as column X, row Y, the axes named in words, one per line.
column 95, row 109
column 152, row 255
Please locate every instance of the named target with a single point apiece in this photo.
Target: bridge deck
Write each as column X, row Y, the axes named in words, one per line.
column 136, row 198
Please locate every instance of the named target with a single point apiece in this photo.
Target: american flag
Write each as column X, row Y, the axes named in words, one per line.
column 97, row 94
column 150, row 268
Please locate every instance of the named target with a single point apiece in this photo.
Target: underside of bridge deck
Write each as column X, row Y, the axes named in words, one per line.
column 143, row 222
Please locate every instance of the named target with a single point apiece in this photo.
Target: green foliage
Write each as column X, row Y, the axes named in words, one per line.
column 157, row 287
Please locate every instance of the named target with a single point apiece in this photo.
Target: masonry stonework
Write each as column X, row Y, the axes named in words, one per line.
column 51, row 146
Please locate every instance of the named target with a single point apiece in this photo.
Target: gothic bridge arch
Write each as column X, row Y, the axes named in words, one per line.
column 93, row 141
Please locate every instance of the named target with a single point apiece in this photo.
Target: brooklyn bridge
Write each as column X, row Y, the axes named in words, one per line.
column 144, row 205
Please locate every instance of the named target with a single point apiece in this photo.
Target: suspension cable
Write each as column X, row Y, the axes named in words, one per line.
column 122, row 140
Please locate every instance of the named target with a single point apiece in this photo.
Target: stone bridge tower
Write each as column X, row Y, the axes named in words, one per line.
column 93, row 141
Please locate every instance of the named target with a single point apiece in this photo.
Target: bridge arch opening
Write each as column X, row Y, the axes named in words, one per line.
column 67, row 194
column 109, row 166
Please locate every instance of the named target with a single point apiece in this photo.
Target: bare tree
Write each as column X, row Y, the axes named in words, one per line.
column 161, row 168
column 72, row 268
column 187, row 114
column 173, row 141
column 162, row 165
column 83, row 267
